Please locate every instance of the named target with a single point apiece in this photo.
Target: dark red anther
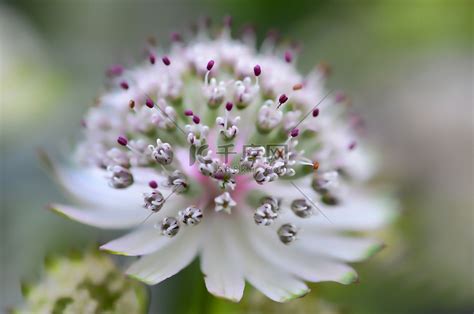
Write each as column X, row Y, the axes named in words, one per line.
column 229, row 106
column 196, row 119
column 153, row 184
column 122, row 140
column 294, row 132
column 257, row 70
column 316, row 112
column 152, row 58
column 283, row 98
column 166, row 60
column 188, row 112
column 210, row 64
column 149, row 103
column 124, row 85
column 288, row 56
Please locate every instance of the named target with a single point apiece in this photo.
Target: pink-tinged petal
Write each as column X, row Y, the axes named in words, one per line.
column 107, row 219
column 222, row 273
column 276, row 283
column 168, row 261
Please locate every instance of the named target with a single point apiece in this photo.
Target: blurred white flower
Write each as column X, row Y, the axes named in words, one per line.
column 83, row 283
column 274, row 210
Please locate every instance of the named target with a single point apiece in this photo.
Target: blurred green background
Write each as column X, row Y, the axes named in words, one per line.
column 408, row 66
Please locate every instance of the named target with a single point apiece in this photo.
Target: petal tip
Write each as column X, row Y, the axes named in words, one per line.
column 234, row 297
column 374, row 249
column 228, row 298
column 111, row 251
column 296, row 295
column 350, row 278
column 55, row 209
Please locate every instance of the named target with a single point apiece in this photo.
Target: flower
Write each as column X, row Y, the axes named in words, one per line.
column 245, row 173
column 83, row 283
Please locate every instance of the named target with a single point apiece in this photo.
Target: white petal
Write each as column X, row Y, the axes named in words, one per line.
column 90, row 185
column 314, row 268
column 274, row 282
column 278, row 286
column 146, row 239
column 359, row 211
column 107, row 219
column 143, row 241
column 350, row 249
column 168, row 261
column 222, row 274
column 358, row 214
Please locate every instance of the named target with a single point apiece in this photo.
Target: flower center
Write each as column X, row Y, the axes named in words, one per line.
column 212, row 191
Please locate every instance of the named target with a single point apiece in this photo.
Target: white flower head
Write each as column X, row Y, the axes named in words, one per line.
column 254, row 170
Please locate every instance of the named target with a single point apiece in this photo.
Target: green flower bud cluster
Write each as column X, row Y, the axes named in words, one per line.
column 83, row 283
